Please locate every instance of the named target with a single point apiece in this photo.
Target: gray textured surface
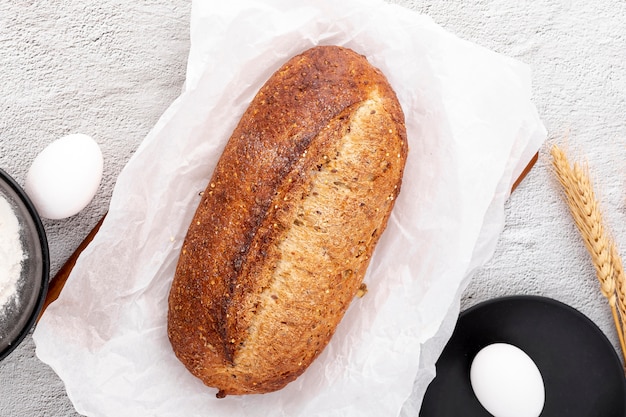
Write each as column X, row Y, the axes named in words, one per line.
column 110, row 68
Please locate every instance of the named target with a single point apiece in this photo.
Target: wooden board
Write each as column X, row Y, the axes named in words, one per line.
column 58, row 281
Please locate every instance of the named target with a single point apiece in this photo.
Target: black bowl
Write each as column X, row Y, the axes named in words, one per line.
column 19, row 314
column 582, row 373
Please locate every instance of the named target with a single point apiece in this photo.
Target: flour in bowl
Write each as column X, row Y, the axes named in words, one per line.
column 11, row 253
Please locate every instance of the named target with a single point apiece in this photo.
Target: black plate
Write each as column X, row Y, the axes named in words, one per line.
column 582, row 373
column 18, row 318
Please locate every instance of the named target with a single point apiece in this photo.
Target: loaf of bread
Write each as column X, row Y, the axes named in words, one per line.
column 280, row 242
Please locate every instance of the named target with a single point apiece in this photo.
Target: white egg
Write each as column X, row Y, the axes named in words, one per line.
column 65, row 176
column 507, row 382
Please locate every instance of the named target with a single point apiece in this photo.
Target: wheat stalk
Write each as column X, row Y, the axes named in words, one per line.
column 620, row 285
column 587, row 216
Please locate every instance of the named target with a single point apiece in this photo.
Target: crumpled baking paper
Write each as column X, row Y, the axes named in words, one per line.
column 472, row 128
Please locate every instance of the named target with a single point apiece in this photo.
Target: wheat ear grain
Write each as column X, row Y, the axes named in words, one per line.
column 584, row 209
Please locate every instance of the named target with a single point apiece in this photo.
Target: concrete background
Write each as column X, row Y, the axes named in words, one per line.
column 109, row 68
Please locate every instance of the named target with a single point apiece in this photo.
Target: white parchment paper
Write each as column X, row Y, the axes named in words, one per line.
column 472, row 128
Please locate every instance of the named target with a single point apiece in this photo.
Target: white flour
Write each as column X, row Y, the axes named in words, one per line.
column 11, row 253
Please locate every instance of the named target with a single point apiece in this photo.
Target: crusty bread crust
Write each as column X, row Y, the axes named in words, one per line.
column 285, row 229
